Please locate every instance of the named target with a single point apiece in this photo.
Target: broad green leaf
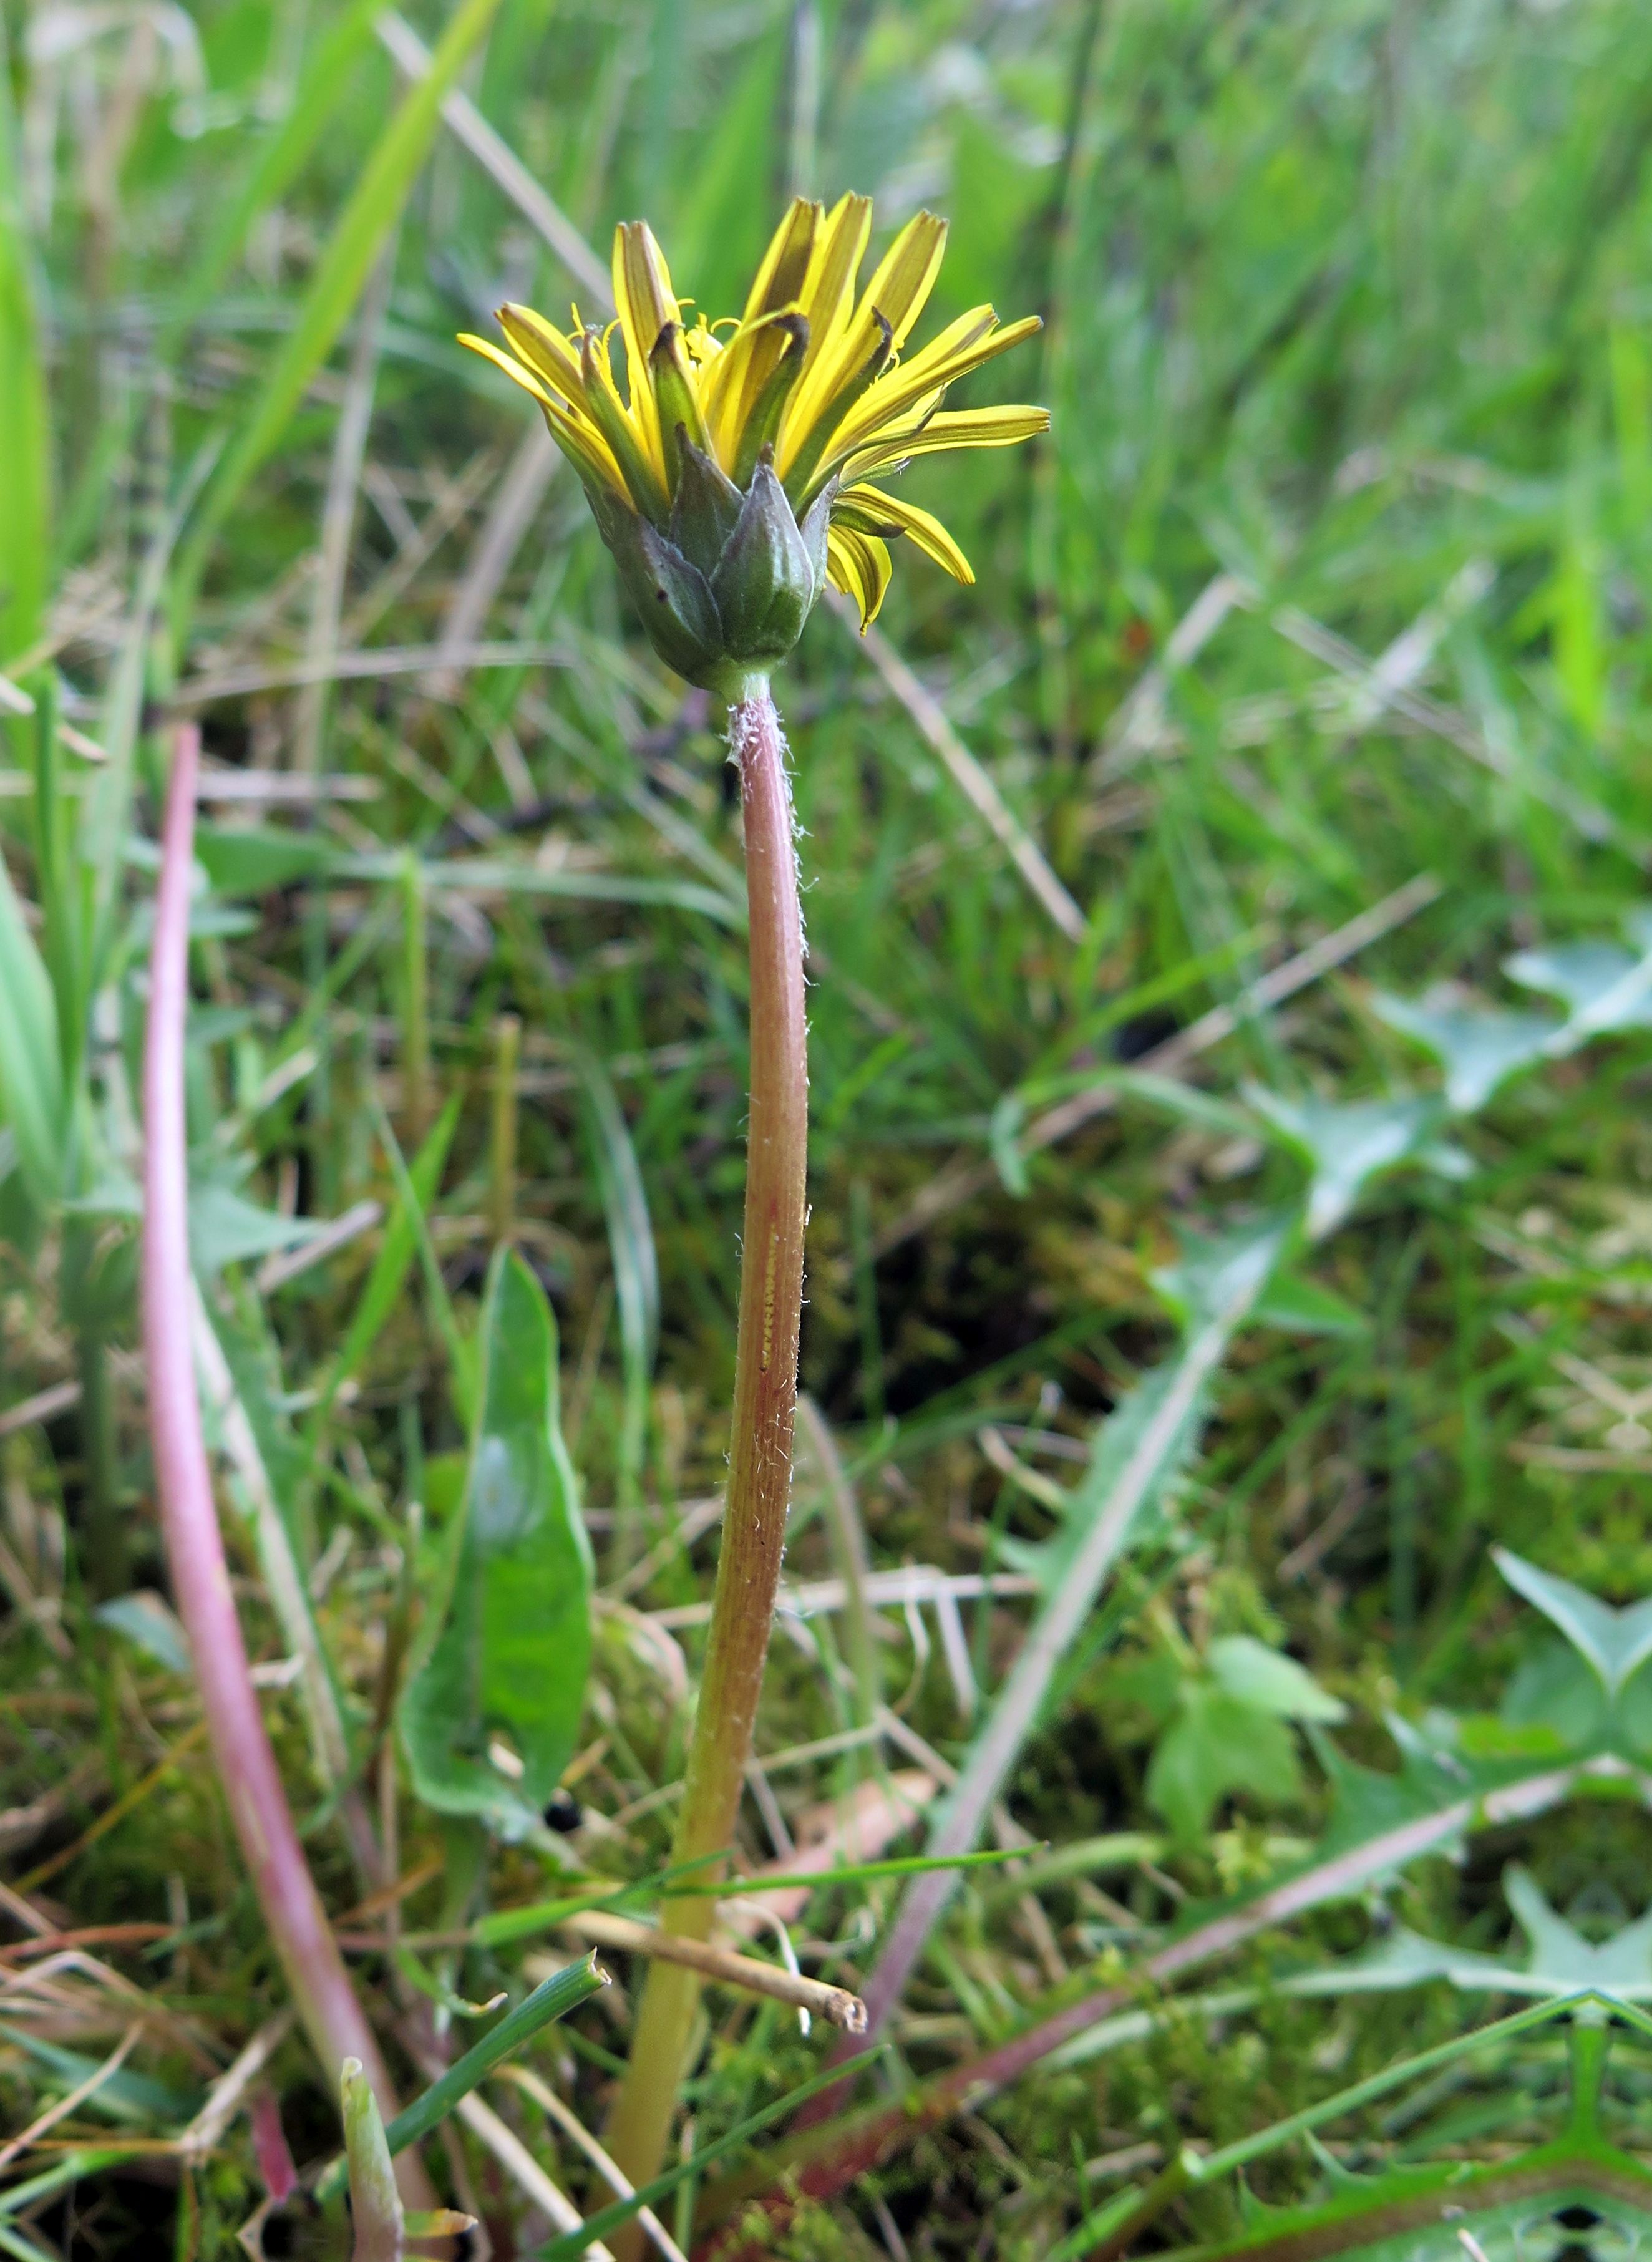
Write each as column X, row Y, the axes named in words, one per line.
column 1186, row 1102
column 1632, row 1713
column 251, row 860
column 1154, row 1683
column 1368, row 1803
column 24, row 434
column 1604, row 987
column 147, row 1622
column 1614, row 1642
column 1217, row 1745
column 1137, row 1456
column 1347, row 1146
column 1479, row 1049
column 1559, row 1960
column 510, row 1657
column 1554, row 1690
column 31, row 1062
column 226, row 1228
column 1270, row 1682
column 1303, row 1308
column 1217, row 1272
column 340, row 274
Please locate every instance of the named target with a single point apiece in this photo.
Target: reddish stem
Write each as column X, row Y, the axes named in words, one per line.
column 765, row 1404
column 241, row 1744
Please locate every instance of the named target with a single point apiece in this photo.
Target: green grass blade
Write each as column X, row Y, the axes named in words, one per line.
column 31, row 1066
column 568, row 2249
column 339, row 278
column 461, row 1362
column 68, row 2169
column 542, row 1916
column 552, row 1999
column 25, row 430
column 106, row 812
column 275, row 167
column 390, row 1266
column 631, row 1241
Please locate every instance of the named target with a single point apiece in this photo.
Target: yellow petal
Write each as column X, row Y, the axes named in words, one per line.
column 785, row 265
column 644, row 298
column 513, row 369
column 890, row 305
column 585, row 447
column 868, row 510
column 645, row 479
column 858, row 564
column 980, row 323
column 733, row 382
column 813, row 401
column 545, row 349
column 959, row 428
column 922, row 374
column 828, row 291
column 911, row 420
column 907, row 275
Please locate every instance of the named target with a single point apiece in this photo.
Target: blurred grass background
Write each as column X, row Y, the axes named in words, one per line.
column 1347, row 350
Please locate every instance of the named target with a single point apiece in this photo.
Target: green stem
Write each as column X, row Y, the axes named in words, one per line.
column 765, row 1402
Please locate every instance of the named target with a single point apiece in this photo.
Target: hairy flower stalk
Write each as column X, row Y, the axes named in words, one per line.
column 732, row 480
column 765, row 1402
column 189, row 1516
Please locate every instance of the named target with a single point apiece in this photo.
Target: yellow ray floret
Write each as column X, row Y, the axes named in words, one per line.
column 859, row 565
column 813, row 378
column 869, row 510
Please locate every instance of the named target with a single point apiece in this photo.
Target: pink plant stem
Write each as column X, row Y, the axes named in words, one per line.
column 241, row 1744
column 759, row 1448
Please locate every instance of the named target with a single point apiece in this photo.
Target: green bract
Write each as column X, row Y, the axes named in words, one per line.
column 727, row 588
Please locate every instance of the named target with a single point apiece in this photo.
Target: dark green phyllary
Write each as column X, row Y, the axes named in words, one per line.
column 727, row 586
